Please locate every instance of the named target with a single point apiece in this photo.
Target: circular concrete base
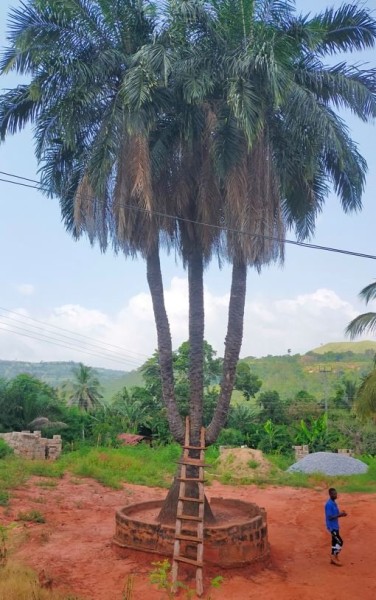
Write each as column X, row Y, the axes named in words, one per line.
column 239, row 536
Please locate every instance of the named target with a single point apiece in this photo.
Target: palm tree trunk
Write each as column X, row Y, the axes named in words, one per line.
column 155, row 282
column 232, row 349
column 196, row 341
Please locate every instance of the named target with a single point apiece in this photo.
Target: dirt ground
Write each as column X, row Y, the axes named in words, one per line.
column 73, row 546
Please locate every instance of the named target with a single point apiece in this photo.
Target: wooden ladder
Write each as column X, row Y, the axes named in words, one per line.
column 195, row 523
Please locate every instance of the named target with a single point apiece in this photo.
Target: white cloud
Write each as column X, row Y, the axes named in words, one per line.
column 26, row 289
column 271, row 327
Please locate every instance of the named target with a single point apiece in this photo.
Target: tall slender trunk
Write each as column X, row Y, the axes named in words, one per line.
column 233, row 344
column 196, row 341
column 155, row 282
column 167, row 513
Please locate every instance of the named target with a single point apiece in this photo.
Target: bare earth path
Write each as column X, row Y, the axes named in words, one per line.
column 74, row 545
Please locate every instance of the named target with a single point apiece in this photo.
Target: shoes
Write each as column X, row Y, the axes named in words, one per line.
column 335, row 560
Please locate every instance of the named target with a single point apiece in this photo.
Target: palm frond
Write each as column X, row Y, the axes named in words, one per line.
column 361, row 324
column 368, row 293
column 347, row 29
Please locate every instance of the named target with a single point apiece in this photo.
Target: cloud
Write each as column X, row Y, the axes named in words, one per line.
column 26, row 289
column 125, row 339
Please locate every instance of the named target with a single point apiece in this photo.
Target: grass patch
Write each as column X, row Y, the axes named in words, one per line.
column 47, row 483
column 31, row 516
column 140, row 465
column 156, row 467
column 19, row 583
column 4, row 497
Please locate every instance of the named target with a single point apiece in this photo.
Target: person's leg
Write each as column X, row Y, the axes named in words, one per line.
column 337, row 544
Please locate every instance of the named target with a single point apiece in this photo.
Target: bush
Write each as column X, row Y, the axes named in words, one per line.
column 5, row 450
column 230, row 437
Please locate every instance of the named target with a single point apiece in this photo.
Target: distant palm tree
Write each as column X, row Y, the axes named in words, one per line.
column 84, row 390
column 367, row 321
column 365, row 401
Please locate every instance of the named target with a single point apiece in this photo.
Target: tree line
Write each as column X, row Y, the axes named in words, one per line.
column 258, row 417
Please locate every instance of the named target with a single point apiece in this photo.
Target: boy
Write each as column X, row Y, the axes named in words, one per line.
column 332, row 514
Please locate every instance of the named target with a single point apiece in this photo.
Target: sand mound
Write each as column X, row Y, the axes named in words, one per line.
column 243, row 463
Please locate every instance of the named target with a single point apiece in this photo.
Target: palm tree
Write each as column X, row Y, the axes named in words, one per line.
column 84, row 389
column 365, row 399
column 220, row 112
column 366, row 321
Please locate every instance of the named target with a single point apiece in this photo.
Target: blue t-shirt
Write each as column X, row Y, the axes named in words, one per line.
column 331, row 510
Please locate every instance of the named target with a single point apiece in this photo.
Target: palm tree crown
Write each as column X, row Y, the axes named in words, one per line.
column 84, row 389
column 221, row 112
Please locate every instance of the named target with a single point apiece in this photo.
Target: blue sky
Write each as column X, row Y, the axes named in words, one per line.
column 47, row 276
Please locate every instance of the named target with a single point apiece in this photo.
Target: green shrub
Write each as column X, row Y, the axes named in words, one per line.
column 230, row 437
column 5, row 450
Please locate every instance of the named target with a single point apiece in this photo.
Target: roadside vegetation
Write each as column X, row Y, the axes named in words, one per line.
column 258, row 418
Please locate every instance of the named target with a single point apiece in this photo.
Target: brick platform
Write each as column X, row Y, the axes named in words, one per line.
column 234, row 541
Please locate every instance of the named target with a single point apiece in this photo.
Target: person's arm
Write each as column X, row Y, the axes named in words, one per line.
column 342, row 513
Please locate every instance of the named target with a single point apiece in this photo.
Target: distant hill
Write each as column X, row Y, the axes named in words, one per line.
column 56, row 373
column 318, row 371
column 356, row 347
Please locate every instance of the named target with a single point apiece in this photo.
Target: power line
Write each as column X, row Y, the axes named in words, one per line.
column 78, row 335
column 46, row 339
column 70, row 341
column 211, row 225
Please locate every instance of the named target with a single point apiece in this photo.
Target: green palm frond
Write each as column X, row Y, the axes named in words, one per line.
column 365, row 401
column 361, row 324
column 346, row 29
column 369, row 292
column 17, row 108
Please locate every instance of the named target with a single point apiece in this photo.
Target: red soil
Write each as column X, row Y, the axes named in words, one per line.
column 73, row 547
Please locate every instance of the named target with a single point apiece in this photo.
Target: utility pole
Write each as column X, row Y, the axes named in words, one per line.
column 325, row 370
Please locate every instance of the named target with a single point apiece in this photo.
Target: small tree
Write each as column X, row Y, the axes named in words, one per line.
column 83, row 390
column 245, row 381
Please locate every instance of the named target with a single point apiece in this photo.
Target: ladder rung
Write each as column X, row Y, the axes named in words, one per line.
column 188, row 518
column 196, row 462
column 196, row 479
column 189, row 538
column 194, row 447
column 189, row 561
column 188, row 499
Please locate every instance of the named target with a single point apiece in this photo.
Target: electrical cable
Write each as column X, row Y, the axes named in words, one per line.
column 74, row 344
column 55, row 341
column 211, row 225
column 77, row 335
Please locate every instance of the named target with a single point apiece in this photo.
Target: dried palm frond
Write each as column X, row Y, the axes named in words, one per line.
column 45, row 423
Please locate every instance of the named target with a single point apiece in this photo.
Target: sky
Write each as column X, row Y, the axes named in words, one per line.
column 59, row 290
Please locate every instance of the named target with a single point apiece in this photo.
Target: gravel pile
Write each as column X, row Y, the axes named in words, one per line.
column 330, row 464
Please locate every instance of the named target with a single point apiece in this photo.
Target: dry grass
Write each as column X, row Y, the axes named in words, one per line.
column 20, row 583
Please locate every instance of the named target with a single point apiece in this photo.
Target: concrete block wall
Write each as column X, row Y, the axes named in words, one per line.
column 301, row 452
column 32, row 445
column 346, row 451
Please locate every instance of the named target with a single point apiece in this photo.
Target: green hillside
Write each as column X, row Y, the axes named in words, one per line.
column 56, row 373
column 355, row 347
column 317, row 372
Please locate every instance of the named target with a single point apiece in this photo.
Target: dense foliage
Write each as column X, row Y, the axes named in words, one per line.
column 259, row 417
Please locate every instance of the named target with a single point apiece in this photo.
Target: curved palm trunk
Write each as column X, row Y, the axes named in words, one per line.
column 154, row 277
column 233, row 344
column 196, row 341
